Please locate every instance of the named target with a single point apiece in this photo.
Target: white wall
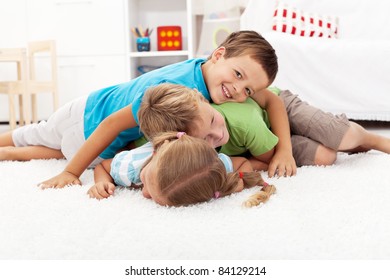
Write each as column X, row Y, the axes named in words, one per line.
column 91, row 43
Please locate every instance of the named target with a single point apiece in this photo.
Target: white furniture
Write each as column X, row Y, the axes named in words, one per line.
column 27, row 83
column 47, row 84
column 18, row 86
column 90, row 42
column 153, row 13
column 345, row 75
column 90, row 36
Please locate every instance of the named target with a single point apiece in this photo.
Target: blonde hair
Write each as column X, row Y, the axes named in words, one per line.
column 169, row 107
column 189, row 171
column 250, row 42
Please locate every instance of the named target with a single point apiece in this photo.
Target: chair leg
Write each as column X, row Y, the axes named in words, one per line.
column 12, row 117
column 34, row 108
column 21, row 111
column 26, row 108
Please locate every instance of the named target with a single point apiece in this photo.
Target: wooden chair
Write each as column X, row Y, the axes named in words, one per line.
column 19, row 86
column 36, row 51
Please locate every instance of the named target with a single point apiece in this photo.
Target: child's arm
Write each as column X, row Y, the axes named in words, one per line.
column 283, row 162
column 262, row 161
column 99, row 140
column 102, row 171
column 104, row 184
column 241, row 164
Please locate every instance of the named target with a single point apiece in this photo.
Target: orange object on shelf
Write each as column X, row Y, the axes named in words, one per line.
column 169, row 38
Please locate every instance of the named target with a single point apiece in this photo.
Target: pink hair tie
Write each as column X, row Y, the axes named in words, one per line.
column 216, row 194
column 180, row 134
column 265, row 184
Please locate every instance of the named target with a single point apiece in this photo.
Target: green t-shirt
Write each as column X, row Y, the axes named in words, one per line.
column 248, row 127
column 140, row 141
column 274, row 90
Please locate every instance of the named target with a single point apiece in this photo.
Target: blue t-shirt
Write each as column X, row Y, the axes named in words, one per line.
column 106, row 101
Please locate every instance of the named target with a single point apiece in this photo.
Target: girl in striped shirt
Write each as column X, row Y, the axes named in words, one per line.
column 178, row 170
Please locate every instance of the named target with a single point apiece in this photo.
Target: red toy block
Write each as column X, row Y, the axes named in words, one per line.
column 169, row 38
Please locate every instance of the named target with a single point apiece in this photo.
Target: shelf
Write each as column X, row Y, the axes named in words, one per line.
column 154, row 13
column 159, row 53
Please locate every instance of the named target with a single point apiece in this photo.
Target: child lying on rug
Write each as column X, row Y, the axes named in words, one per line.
column 178, row 170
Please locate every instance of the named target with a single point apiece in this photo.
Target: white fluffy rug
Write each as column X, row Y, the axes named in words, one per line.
column 337, row 212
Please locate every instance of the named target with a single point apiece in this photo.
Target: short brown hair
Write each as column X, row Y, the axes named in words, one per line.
column 169, row 107
column 250, row 42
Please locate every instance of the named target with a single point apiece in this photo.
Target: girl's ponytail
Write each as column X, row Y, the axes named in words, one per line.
column 249, row 179
column 255, row 179
column 262, row 196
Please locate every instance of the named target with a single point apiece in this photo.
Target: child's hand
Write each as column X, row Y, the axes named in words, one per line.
column 61, row 180
column 282, row 164
column 101, row 190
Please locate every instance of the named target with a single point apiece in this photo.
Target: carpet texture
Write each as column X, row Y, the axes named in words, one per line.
column 336, row 212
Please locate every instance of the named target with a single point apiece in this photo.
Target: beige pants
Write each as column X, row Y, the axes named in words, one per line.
column 311, row 127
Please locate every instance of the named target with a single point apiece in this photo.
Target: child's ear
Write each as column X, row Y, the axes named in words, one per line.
column 218, row 53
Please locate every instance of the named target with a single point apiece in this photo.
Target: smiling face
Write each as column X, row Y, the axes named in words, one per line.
column 233, row 79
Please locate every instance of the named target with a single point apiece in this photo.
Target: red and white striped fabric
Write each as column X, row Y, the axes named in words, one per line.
column 297, row 22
